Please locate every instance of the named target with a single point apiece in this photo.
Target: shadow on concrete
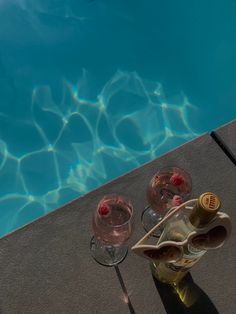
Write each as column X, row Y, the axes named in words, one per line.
column 185, row 298
column 125, row 292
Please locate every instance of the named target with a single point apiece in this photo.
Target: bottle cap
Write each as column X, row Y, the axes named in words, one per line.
column 205, row 209
column 209, row 202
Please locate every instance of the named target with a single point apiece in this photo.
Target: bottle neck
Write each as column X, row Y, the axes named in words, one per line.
column 200, row 216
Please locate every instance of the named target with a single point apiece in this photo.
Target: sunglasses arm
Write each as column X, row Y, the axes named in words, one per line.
column 170, row 213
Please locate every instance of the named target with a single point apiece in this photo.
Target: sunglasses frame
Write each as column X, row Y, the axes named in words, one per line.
column 221, row 220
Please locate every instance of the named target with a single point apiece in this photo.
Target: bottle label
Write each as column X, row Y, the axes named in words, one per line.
column 165, row 273
column 184, row 264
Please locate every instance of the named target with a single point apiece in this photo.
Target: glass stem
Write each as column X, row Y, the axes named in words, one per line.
column 111, row 251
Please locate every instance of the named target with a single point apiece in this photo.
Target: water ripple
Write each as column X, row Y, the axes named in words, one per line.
column 71, row 146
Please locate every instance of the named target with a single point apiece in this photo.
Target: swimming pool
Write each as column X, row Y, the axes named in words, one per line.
column 92, row 89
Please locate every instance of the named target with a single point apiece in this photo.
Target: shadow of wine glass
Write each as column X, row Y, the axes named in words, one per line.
column 124, row 290
column 184, row 298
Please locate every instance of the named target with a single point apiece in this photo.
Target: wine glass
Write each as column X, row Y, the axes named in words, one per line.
column 169, row 187
column 112, row 226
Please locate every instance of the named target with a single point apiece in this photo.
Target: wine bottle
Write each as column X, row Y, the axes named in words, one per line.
column 178, row 229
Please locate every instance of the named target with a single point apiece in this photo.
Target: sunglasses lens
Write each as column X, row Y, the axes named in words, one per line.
column 212, row 239
column 217, row 236
column 164, row 254
column 200, row 241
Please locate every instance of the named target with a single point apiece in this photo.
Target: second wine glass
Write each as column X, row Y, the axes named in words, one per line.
column 112, row 227
column 169, row 187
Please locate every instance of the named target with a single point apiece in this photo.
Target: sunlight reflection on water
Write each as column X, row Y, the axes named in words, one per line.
column 72, row 146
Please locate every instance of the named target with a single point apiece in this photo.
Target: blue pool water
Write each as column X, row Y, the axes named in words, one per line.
column 92, row 89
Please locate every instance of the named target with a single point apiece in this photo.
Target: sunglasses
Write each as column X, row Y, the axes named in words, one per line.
column 211, row 236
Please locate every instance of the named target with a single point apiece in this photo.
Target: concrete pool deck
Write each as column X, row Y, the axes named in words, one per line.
column 46, row 266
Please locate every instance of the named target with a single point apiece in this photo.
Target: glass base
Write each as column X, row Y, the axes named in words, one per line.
column 107, row 255
column 150, row 218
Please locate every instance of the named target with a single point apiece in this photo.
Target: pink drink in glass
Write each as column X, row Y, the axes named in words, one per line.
column 112, row 221
column 166, row 184
column 168, row 188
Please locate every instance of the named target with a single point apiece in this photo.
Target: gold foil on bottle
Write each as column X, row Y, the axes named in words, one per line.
column 205, row 210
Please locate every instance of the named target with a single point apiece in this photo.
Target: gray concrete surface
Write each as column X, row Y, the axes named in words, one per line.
column 227, row 136
column 46, row 266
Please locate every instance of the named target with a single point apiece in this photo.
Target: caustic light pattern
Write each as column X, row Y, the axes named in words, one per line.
column 72, row 145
